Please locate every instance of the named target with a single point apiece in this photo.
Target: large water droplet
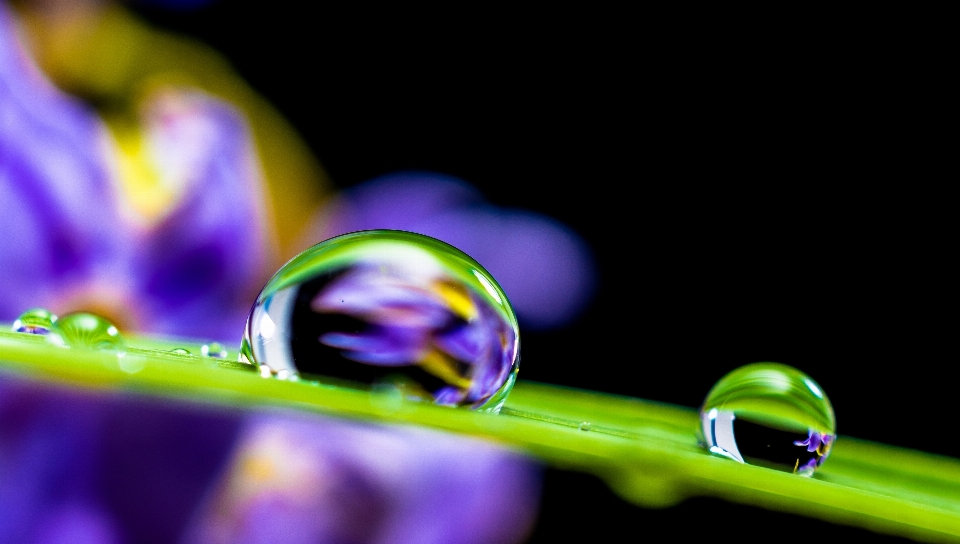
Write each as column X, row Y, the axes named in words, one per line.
column 386, row 307
column 85, row 330
column 35, row 321
column 769, row 414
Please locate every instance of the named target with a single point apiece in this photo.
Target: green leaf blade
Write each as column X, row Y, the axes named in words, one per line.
column 647, row 451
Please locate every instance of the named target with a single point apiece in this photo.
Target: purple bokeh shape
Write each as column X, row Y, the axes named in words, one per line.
column 79, row 466
column 544, row 267
column 360, row 482
column 68, row 238
column 79, row 462
column 53, row 173
column 86, row 466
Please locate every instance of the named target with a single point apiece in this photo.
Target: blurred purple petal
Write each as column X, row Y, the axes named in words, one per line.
column 365, row 293
column 393, row 201
column 481, row 343
column 812, row 442
column 206, row 258
column 65, row 240
column 334, row 481
column 404, row 319
column 544, row 267
column 809, row 466
column 142, row 469
column 47, row 456
column 85, row 466
column 53, row 179
column 78, row 524
column 449, row 396
column 385, row 346
column 473, row 341
column 130, row 465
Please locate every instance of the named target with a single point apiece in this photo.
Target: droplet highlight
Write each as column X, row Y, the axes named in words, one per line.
column 130, row 365
column 85, row 330
column 215, row 350
column 769, row 414
column 35, row 321
column 388, row 307
column 585, row 426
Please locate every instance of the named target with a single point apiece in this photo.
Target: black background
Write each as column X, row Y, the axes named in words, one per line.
column 750, row 192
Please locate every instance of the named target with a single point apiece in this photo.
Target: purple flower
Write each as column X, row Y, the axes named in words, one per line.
column 544, row 267
column 294, row 479
column 816, row 442
column 84, row 464
column 808, row 467
column 812, row 442
column 99, row 467
column 79, row 466
column 412, row 321
column 53, row 177
column 193, row 249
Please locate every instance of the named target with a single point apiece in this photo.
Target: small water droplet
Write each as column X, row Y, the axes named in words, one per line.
column 360, row 307
column 584, row 426
column 180, row 351
column 85, row 330
column 215, row 350
column 769, row 414
column 388, row 396
column 35, row 321
column 130, row 365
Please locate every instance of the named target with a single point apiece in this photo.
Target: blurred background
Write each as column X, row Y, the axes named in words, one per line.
column 742, row 196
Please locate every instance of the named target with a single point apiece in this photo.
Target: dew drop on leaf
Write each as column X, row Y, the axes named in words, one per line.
column 35, row 321
column 388, row 307
column 85, row 330
column 771, row 415
column 215, row 350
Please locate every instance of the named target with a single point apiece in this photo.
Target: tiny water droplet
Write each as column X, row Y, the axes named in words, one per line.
column 769, row 414
column 387, row 396
column 364, row 306
column 585, row 426
column 85, row 330
column 180, row 351
column 35, row 321
column 130, row 365
column 214, row 349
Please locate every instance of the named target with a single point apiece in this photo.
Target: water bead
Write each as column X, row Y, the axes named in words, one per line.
column 180, row 351
column 215, row 350
column 388, row 309
column 85, row 330
column 35, row 321
column 769, row 414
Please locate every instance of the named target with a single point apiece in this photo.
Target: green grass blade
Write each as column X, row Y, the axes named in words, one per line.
column 647, row 451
